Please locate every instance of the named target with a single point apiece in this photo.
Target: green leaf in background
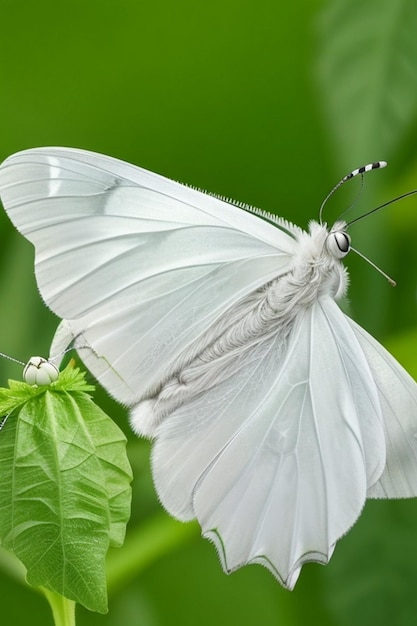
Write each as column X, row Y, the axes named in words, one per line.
column 368, row 73
column 65, row 488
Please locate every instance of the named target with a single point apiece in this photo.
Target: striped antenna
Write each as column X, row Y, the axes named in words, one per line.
column 360, row 170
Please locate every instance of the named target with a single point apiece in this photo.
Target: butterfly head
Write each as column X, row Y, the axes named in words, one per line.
column 338, row 242
column 329, row 245
column 318, row 262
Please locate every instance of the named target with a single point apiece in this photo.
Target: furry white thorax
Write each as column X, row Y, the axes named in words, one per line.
column 312, row 273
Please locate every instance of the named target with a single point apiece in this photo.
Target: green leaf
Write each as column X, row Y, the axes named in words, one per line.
column 368, row 74
column 65, row 488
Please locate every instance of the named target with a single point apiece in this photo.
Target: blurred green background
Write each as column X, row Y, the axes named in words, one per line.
column 269, row 103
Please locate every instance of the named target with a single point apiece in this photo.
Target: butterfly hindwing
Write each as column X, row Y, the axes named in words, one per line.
column 289, row 444
column 397, row 392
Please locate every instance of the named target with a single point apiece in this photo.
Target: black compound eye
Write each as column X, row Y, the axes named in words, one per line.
column 338, row 244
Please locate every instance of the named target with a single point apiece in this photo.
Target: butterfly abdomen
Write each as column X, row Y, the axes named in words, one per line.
column 270, row 310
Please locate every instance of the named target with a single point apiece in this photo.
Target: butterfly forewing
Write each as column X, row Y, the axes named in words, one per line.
column 138, row 265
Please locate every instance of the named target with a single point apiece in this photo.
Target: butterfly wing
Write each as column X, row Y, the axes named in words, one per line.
column 397, row 393
column 137, row 265
column 275, row 463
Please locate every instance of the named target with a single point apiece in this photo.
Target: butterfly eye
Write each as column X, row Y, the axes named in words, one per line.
column 338, row 244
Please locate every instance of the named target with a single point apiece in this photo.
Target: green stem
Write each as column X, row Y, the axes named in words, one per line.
column 63, row 609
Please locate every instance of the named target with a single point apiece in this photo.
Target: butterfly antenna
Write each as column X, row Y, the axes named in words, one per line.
column 352, row 174
column 381, row 206
column 378, row 269
column 378, row 208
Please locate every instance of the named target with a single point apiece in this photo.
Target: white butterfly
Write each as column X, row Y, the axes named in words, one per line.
column 274, row 415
